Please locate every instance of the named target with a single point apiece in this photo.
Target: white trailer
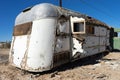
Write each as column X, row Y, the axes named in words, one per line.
column 46, row 36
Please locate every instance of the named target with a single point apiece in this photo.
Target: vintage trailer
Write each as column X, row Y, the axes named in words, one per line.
column 46, row 36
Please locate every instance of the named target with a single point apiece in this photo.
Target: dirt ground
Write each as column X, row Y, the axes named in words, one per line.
column 105, row 67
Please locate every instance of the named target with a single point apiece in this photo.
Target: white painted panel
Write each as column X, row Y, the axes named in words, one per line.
column 41, row 47
column 62, row 44
column 77, row 19
column 19, row 49
column 77, row 47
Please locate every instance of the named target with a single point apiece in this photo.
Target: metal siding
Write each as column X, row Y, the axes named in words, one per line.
column 41, row 47
column 103, row 31
column 77, row 49
column 64, row 27
column 62, row 44
column 108, row 33
column 91, row 41
column 92, row 50
column 102, row 48
column 37, row 12
column 116, row 30
column 116, row 41
column 19, row 49
column 108, row 41
column 103, row 41
column 62, row 37
column 97, row 31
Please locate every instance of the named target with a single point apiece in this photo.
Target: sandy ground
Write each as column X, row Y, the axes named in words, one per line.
column 93, row 68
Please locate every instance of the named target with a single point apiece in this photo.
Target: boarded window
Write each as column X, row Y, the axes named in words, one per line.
column 78, row 27
column 90, row 29
column 22, row 29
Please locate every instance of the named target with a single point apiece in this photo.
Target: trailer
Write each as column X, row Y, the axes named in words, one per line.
column 46, row 36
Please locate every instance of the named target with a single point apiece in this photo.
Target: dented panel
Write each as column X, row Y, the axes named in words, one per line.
column 77, row 50
column 62, row 44
column 41, row 46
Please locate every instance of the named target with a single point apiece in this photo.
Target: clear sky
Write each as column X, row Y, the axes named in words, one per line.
column 107, row 11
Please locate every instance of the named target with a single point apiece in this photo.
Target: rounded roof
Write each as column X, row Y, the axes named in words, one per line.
column 44, row 10
column 37, row 12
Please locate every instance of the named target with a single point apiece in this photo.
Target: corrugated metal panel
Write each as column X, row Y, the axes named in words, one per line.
column 116, row 30
column 116, row 44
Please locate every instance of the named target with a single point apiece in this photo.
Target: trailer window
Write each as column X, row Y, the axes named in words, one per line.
column 78, row 27
column 22, row 29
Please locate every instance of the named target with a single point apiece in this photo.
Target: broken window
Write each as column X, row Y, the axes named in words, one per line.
column 78, row 27
column 22, row 29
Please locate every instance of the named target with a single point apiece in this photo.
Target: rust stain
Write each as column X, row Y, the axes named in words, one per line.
column 61, row 58
column 24, row 60
column 12, row 52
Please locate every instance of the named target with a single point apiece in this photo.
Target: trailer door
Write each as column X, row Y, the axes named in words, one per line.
column 62, row 47
column 78, row 31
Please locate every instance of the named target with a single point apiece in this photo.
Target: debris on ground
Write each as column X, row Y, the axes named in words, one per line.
column 105, row 68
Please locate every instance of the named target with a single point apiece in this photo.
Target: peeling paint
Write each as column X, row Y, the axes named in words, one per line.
column 77, row 48
column 48, row 39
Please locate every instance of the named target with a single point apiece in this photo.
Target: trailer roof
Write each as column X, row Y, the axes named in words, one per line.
column 48, row 10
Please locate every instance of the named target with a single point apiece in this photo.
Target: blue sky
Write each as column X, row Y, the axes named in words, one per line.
column 107, row 11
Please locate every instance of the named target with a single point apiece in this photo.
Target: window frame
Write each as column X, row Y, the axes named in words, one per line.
column 78, row 20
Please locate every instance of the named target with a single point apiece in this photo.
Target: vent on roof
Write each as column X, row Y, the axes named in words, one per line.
column 27, row 9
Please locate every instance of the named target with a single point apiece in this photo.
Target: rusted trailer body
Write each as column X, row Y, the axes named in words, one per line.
column 46, row 36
